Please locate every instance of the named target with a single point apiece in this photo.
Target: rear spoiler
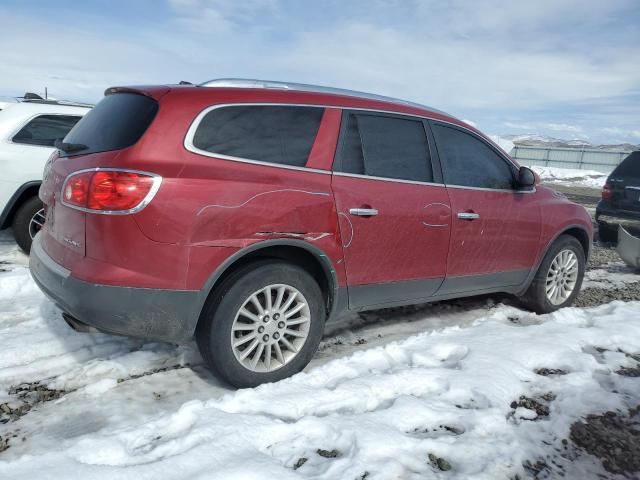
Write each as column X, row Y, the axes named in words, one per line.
column 155, row 92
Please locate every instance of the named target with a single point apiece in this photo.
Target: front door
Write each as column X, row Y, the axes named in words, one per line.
column 495, row 227
column 393, row 210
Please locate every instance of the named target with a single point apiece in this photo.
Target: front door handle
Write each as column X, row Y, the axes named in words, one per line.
column 363, row 212
column 468, row 216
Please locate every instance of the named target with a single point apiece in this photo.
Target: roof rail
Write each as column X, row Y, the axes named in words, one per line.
column 302, row 87
column 35, row 98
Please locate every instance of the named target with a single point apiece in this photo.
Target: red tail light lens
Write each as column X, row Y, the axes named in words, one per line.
column 607, row 192
column 106, row 191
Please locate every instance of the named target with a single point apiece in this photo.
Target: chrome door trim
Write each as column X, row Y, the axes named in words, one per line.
column 463, row 187
column 395, row 180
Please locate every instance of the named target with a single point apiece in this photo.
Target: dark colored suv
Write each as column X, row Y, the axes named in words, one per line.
column 620, row 204
column 249, row 213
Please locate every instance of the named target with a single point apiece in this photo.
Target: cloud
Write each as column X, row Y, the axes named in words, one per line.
column 617, row 132
column 541, row 65
column 562, row 127
column 221, row 16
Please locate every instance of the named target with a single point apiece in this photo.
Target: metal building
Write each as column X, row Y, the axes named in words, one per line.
column 576, row 158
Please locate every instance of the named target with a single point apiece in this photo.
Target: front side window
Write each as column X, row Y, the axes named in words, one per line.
column 384, row 146
column 274, row 134
column 469, row 162
column 44, row 130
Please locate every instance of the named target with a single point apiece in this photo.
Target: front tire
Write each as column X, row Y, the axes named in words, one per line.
column 559, row 277
column 28, row 221
column 264, row 323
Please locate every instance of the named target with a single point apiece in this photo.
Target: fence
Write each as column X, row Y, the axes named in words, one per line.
column 576, row 158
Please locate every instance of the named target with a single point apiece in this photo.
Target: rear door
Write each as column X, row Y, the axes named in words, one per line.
column 495, row 227
column 393, row 210
column 625, row 182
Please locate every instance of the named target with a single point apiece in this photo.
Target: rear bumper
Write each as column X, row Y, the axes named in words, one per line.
column 614, row 217
column 155, row 314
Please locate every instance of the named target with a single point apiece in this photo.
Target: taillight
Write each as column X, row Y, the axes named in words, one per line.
column 110, row 190
column 607, row 192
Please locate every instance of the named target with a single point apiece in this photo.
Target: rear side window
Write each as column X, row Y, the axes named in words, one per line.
column 630, row 166
column 469, row 162
column 274, row 134
column 388, row 147
column 44, row 130
column 117, row 121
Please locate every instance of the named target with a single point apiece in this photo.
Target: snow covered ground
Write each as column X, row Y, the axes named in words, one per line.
column 571, row 177
column 467, row 389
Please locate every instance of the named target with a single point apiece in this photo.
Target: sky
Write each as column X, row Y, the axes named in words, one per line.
column 563, row 68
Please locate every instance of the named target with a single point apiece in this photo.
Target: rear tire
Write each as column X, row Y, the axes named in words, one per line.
column 556, row 270
column 607, row 233
column 232, row 325
column 25, row 222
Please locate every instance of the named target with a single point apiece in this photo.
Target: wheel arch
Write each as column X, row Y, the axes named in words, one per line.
column 581, row 235
column 579, row 232
column 298, row 252
column 25, row 191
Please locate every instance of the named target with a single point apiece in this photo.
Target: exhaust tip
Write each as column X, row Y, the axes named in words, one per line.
column 77, row 325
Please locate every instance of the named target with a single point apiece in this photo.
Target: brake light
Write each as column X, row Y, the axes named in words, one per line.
column 607, row 192
column 110, row 191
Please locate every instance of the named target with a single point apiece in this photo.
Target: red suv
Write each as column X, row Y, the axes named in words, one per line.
column 250, row 213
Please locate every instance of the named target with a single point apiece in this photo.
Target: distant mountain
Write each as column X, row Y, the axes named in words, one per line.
column 534, row 139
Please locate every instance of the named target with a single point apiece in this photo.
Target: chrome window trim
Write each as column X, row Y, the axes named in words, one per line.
column 33, row 117
column 511, row 190
column 188, row 143
column 499, row 152
column 157, row 181
column 385, row 179
column 188, row 140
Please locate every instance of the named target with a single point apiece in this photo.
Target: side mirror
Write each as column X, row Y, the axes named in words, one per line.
column 526, row 178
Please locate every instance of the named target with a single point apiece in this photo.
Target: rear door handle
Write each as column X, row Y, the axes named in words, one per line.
column 363, row 212
column 468, row 216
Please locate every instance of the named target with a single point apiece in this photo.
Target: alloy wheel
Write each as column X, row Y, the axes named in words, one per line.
column 270, row 328
column 562, row 277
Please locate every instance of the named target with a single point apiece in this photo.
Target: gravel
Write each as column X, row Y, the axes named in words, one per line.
column 602, row 257
column 613, row 437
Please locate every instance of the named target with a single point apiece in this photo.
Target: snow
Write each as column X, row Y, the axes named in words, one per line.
column 504, row 143
column 536, row 138
column 386, row 390
column 611, row 276
column 572, row 177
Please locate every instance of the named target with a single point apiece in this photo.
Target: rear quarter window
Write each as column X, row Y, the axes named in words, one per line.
column 274, row 134
column 630, row 166
column 118, row 121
